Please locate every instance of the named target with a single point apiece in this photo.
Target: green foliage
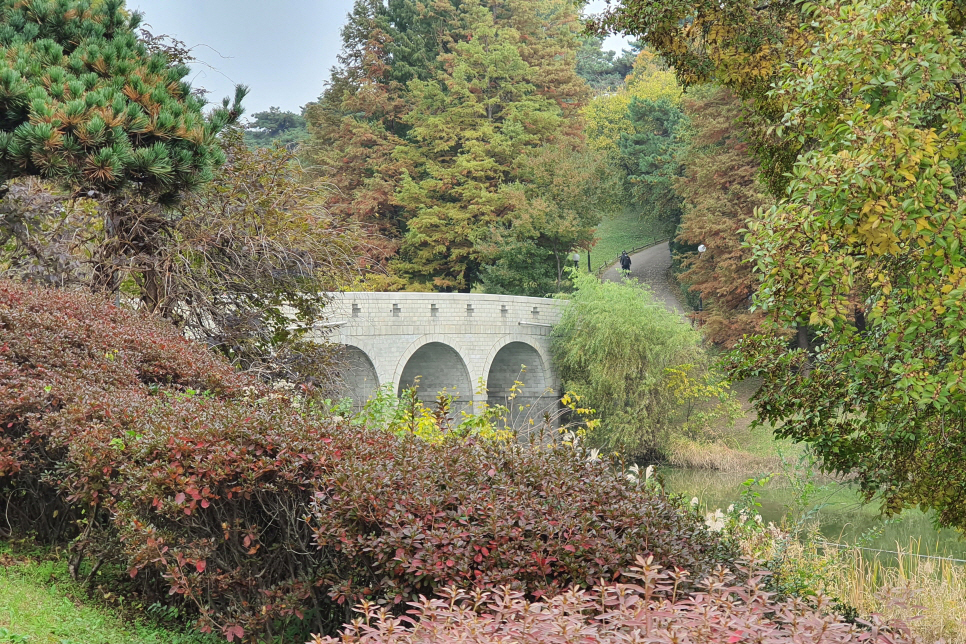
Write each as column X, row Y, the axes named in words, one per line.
column 425, row 123
column 740, row 45
column 563, row 193
column 276, row 127
column 469, row 127
column 604, row 71
column 651, row 151
column 84, row 102
column 607, row 116
column 638, row 364
column 866, row 250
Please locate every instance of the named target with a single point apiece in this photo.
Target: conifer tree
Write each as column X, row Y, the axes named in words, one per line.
column 651, row 153
column 83, row 102
column 404, row 66
column 469, row 126
column 720, row 191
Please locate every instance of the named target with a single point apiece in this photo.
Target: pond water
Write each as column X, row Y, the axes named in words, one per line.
column 836, row 507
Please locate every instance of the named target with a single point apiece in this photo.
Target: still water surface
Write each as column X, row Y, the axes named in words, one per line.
column 836, row 507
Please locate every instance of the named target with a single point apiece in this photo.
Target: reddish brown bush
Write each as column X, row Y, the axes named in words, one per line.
column 216, row 494
column 65, row 359
column 411, row 518
column 649, row 611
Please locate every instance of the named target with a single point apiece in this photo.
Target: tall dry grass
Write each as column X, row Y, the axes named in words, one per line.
column 716, row 455
column 924, row 590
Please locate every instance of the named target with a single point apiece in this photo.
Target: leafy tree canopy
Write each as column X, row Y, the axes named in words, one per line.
column 651, row 152
column 866, row 249
column 564, row 190
column 608, row 116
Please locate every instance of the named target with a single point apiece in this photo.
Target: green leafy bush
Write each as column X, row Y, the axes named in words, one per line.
column 250, row 510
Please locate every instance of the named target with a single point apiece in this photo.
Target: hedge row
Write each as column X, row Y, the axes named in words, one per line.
column 213, row 492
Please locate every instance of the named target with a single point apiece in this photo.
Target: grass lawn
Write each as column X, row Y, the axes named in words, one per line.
column 617, row 232
column 39, row 605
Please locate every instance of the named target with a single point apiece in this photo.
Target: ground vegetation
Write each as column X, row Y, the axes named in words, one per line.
column 651, row 607
column 253, row 512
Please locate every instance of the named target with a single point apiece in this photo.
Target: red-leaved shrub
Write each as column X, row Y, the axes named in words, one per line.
column 412, row 517
column 650, row 611
column 214, row 493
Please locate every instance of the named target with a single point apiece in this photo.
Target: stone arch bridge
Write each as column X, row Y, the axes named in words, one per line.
column 448, row 340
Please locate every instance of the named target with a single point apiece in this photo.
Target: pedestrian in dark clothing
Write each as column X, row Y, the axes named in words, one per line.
column 625, row 261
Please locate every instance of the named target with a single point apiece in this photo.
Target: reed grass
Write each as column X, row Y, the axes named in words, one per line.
column 912, row 584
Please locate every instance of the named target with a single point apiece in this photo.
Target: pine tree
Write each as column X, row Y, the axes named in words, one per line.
column 83, row 102
column 651, row 153
column 272, row 126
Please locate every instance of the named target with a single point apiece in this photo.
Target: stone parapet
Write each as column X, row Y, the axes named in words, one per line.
column 452, row 340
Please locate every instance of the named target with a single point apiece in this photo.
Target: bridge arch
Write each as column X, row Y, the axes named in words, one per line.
column 438, row 366
column 361, row 378
column 503, row 368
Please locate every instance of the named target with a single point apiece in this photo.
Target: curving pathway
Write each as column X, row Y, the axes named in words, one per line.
column 652, row 266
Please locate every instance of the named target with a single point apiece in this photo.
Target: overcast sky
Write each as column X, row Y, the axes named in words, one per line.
column 281, row 49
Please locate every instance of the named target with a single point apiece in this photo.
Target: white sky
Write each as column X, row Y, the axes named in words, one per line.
column 282, row 49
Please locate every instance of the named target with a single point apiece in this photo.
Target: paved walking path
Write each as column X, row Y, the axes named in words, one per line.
column 652, row 266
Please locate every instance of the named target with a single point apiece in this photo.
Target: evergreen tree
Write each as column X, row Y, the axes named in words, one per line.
column 287, row 129
column 565, row 188
column 604, row 71
column 86, row 104
column 405, row 71
column 469, row 126
column 652, row 155
column 83, row 102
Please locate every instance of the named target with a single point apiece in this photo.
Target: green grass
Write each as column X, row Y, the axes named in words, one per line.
column 620, row 231
column 40, row 605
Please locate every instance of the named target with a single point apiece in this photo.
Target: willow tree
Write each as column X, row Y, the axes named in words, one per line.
column 638, row 364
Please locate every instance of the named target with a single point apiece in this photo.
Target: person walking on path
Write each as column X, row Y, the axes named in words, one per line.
column 625, row 261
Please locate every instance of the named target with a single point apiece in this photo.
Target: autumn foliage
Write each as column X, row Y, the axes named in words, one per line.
column 720, row 191
column 652, row 609
column 251, row 510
